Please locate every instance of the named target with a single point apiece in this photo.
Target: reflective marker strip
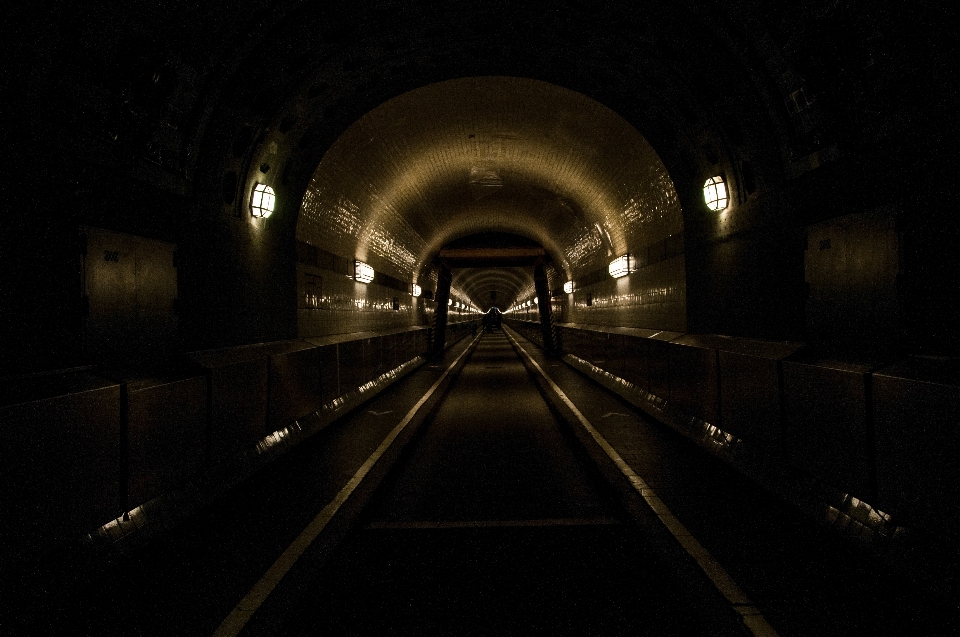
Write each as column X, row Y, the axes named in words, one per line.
column 751, row 616
column 239, row 616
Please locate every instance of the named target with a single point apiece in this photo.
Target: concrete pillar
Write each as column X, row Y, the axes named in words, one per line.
column 543, row 302
column 444, row 277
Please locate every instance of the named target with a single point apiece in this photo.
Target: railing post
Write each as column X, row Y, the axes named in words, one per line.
column 444, row 278
column 543, row 302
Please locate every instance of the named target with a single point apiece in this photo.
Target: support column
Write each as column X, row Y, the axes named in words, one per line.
column 543, row 302
column 444, row 278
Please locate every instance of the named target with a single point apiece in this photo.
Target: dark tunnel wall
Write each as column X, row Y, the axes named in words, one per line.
column 812, row 112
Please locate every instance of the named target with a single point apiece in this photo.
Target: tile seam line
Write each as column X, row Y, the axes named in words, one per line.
column 244, row 610
column 721, row 580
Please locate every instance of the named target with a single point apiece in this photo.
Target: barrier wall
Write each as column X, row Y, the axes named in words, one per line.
column 914, row 411
column 868, row 446
column 167, row 433
column 60, row 460
column 82, row 447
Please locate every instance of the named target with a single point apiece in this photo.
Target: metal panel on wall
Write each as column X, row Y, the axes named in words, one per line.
column 130, row 287
column 852, row 264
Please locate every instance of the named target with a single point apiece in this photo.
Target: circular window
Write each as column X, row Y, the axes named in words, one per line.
column 715, row 193
column 263, row 201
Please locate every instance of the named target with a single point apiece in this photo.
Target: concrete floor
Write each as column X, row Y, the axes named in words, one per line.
column 492, row 522
column 495, row 525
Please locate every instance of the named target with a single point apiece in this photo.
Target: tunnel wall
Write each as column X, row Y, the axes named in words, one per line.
column 864, row 447
column 652, row 297
column 330, row 303
column 84, row 446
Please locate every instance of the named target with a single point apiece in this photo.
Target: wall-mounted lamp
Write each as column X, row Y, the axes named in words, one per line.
column 262, row 201
column 622, row 266
column 363, row 273
column 568, row 287
column 416, row 291
column 715, row 193
column 535, row 300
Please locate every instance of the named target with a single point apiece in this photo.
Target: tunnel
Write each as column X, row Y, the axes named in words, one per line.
column 709, row 239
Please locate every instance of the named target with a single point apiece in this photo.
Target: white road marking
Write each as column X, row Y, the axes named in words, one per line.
column 239, row 616
column 379, row 413
column 751, row 616
column 613, row 413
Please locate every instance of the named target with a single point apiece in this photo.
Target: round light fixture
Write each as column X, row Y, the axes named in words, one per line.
column 715, row 193
column 262, row 201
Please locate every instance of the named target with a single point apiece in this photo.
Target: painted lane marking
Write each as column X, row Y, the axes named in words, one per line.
column 239, row 616
column 379, row 413
column 613, row 413
column 750, row 615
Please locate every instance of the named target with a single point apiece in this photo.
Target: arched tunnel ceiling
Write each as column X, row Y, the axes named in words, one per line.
column 487, row 287
column 489, row 154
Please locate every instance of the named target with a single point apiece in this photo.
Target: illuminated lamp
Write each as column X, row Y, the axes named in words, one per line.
column 416, row 291
column 715, row 193
column 568, row 287
column 621, row 266
column 536, row 300
column 362, row 272
column 449, row 301
column 262, row 201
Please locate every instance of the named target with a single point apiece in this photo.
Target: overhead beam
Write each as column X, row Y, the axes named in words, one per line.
column 490, row 257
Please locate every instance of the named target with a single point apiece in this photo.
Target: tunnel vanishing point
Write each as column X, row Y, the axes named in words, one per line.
column 227, row 223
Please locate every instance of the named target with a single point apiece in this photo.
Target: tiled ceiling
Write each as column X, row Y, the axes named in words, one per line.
column 489, row 154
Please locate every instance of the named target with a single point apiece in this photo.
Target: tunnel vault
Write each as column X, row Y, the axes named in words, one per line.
column 483, row 157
